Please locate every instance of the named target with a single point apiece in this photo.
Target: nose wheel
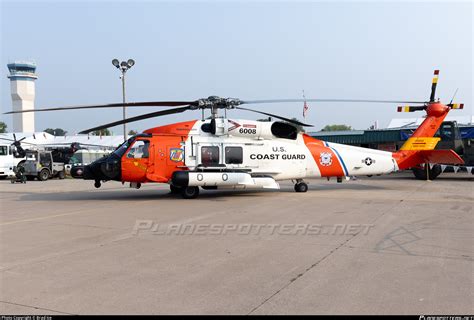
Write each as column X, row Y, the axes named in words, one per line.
column 301, row 186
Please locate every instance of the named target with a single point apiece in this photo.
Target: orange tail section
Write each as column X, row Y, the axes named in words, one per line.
column 419, row 148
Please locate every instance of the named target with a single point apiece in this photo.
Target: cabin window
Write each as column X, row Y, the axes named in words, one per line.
column 233, row 155
column 209, row 156
column 3, row 151
column 139, row 150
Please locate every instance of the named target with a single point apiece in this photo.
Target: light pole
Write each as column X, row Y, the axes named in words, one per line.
column 123, row 67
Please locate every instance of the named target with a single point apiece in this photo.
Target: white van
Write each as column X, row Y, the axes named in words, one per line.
column 8, row 160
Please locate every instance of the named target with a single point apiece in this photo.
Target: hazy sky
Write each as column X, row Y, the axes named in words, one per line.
column 249, row 50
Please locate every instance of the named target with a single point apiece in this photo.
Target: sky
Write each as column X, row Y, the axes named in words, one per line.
column 242, row 49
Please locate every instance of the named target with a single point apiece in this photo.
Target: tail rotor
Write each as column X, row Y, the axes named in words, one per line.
column 432, row 100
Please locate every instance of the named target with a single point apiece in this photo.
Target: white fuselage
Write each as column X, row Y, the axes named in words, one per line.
column 282, row 159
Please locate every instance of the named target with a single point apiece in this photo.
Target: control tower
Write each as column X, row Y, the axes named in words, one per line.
column 22, row 79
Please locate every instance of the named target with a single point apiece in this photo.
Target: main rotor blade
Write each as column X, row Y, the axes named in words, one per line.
column 278, row 117
column 330, row 100
column 138, row 118
column 68, row 144
column 114, row 105
column 434, row 83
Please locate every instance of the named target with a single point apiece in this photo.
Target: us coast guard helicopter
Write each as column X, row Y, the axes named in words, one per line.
column 225, row 153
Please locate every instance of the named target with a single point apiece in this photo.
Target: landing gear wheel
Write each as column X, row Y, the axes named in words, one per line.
column 43, row 175
column 421, row 173
column 61, row 175
column 97, row 184
column 190, row 192
column 175, row 190
column 301, row 187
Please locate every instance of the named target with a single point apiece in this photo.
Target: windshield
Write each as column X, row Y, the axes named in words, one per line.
column 3, row 150
column 76, row 158
column 123, row 147
column 31, row 156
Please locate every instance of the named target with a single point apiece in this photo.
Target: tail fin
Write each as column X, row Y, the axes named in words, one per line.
column 419, row 148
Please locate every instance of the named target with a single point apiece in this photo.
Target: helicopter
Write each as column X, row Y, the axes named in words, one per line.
column 227, row 153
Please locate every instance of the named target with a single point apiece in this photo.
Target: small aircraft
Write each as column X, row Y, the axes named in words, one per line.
column 225, row 153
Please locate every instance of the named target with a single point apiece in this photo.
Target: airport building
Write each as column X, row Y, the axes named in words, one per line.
column 22, row 83
column 22, row 87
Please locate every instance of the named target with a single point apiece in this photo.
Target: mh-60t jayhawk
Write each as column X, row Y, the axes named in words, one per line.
column 220, row 153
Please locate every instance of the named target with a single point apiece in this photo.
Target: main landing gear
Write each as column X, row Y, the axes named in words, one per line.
column 190, row 192
column 301, row 186
column 175, row 190
column 186, row 192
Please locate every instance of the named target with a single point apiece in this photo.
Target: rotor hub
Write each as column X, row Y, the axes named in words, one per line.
column 215, row 102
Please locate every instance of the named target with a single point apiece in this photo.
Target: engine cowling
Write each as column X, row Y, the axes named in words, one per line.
column 250, row 129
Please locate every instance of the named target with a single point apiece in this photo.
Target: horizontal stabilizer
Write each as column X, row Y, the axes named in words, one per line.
column 420, row 143
column 441, row 157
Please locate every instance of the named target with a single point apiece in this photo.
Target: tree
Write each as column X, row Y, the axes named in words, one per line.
column 102, row 132
column 3, row 127
column 337, row 127
column 55, row 132
column 132, row 132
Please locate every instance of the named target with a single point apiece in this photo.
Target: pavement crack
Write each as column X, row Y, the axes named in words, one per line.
column 302, row 273
column 35, row 307
column 400, row 201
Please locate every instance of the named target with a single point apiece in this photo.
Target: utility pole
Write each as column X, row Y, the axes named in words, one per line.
column 123, row 67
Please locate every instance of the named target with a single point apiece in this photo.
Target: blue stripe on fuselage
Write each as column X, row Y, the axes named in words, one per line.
column 339, row 158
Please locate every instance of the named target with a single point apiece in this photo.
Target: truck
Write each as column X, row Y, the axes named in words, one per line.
column 40, row 165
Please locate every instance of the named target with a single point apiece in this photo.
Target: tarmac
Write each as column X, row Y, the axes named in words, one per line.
column 380, row 245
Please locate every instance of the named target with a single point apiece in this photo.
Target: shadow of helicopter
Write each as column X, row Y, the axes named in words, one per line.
column 164, row 195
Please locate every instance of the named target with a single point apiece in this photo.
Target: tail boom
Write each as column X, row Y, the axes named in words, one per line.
column 419, row 148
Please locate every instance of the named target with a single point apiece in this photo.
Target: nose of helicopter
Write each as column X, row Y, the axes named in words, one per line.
column 106, row 168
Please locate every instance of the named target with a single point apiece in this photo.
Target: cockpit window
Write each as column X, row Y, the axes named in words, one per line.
column 139, row 150
column 120, row 151
column 3, row 150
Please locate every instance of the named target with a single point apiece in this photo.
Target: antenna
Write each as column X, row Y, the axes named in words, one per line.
column 454, row 95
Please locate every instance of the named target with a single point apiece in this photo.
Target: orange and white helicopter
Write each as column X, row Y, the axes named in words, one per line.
column 220, row 152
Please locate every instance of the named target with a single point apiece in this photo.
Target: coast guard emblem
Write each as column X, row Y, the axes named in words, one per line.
column 325, row 159
column 176, row 154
